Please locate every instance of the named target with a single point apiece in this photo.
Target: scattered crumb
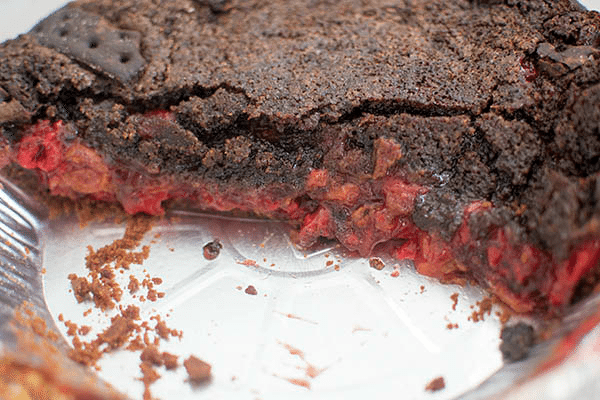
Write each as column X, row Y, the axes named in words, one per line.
column 395, row 273
column 436, row 384
column 336, row 267
column 157, row 281
column 125, row 331
column 451, row 326
column 153, row 356
column 149, row 376
column 170, row 360
column 329, row 263
column 198, row 370
column 152, row 295
column 251, row 290
column 422, row 288
column 212, row 249
column 248, row 263
column 484, row 307
column 294, row 316
column 100, row 284
column 299, row 382
column 377, row 263
column 504, row 315
column 71, row 328
column 134, row 284
column 310, row 370
column 163, row 331
column 84, row 330
column 454, row 298
column 238, row 287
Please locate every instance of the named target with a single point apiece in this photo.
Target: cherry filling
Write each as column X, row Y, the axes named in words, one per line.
column 359, row 214
column 41, row 147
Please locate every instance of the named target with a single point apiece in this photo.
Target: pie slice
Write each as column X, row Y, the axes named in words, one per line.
column 465, row 134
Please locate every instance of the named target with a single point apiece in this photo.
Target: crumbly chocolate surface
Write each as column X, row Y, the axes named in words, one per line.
column 476, row 101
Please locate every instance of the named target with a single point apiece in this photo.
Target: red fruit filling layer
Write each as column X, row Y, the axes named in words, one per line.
column 359, row 214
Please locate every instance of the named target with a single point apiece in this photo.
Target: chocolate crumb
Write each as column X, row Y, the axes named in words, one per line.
column 516, row 341
column 151, row 355
column 251, row 290
column 212, row 249
column 131, row 312
column 198, row 370
column 149, row 376
column 484, row 307
column 454, row 298
column 84, row 330
column 118, row 332
column 376, row 263
column 134, row 284
column 71, row 328
column 157, row 281
column 152, row 295
column 81, row 287
column 162, row 330
column 169, row 360
column 436, row 384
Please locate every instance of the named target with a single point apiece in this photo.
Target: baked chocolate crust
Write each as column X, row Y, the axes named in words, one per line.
column 476, row 102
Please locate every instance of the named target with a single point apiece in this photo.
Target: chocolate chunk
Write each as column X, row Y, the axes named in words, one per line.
column 516, row 341
column 251, row 290
column 375, row 262
column 212, row 249
column 91, row 40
